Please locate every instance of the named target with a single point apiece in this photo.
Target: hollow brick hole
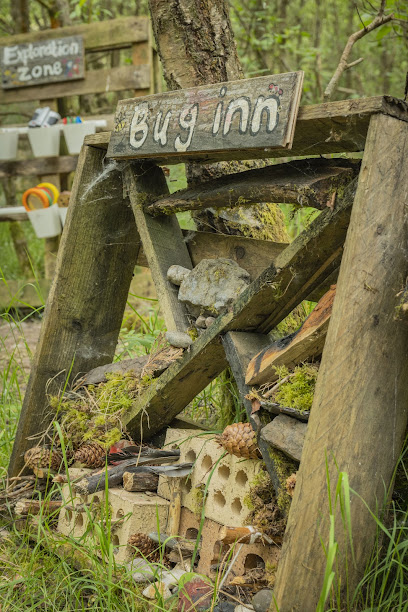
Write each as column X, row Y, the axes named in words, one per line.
column 115, row 540
column 241, row 478
column 79, row 520
column 120, row 514
column 224, row 472
column 186, row 485
column 253, row 561
column 219, row 500
column 236, row 506
column 206, row 463
column 191, row 456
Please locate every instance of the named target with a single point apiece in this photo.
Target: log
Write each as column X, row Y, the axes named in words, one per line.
column 140, row 482
column 309, row 182
column 173, row 521
column 361, row 394
column 31, row 506
column 304, row 345
column 243, row 535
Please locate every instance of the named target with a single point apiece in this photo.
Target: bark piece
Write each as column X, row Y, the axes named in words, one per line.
column 140, row 481
column 285, row 434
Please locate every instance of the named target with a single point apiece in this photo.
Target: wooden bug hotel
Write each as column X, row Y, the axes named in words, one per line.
column 122, row 214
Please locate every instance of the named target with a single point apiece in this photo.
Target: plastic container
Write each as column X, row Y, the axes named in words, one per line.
column 75, row 133
column 46, row 222
column 45, row 142
column 8, row 145
column 62, row 211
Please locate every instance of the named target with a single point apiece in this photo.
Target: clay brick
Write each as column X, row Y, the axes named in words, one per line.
column 229, row 484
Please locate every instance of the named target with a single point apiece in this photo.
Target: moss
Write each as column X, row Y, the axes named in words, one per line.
column 193, row 333
column 298, row 391
column 198, row 498
column 265, row 513
column 284, row 467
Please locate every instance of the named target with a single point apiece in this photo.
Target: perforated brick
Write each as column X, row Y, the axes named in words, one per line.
column 229, row 483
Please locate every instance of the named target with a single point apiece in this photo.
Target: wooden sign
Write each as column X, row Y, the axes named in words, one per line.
column 45, row 61
column 253, row 114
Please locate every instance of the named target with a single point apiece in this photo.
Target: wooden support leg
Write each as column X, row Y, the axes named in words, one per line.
column 162, row 240
column 85, row 306
column 359, row 413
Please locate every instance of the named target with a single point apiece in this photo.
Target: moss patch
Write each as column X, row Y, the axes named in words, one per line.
column 265, row 513
column 298, row 391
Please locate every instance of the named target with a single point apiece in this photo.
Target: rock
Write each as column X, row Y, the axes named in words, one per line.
column 176, row 274
column 141, row 570
column 262, row 600
column 224, row 606
column 98, row 375
column 195, row 596
column 286, row 434
column 242, row 608
column 178, row 339
column 157, row 589
column 209, row 321
column 213, row 286
column 201, row 322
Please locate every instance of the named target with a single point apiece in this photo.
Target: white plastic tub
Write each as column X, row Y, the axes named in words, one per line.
column 8, row 145
column 45, row 221
column 62, row 211
column 75, row 133
column 45, row 141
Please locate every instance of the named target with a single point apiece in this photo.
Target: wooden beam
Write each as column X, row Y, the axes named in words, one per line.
column 23, row 294
column 95, row 81
column 298, row 270
column 309, row 182
column 305, row 344
column 109, row 34
column 162, row 240
column 333, row 127
column 359, row 415
column 63, row 164
column 94, row 269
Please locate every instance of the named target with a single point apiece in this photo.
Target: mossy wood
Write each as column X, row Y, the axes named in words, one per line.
column 297, row 271
column 85, row 305
column 308, row 182
column 333, row 127
column 304, row 345
column 252, row 114
column 359, row 415
column 127, row 32
column 162, row 240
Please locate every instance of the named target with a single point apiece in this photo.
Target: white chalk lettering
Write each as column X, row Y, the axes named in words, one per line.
column 22, row 54
column 268, row 106
column 23, row 73
column 139, row 126
column 160, row 130
column 57, row 67
column 187, row 121
column 218, row 113
column 243, row 107
column 36, row 72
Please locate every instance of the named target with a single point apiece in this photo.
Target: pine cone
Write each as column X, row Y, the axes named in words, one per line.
column 91, row 454
column 239, row 439
column 290, row 484
column 43, row 457
column 144, row 547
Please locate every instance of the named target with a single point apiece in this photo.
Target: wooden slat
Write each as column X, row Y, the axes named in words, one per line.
column 309, row 182
column 162, row 240
column 63, row 164
column 109, row 34
column 333, row 127
column 23, row 294
column 298, row 270
column 96, row 81
column 359, row 415
column 86, row 302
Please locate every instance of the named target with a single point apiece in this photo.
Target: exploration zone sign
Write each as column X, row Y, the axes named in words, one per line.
column 255, row 113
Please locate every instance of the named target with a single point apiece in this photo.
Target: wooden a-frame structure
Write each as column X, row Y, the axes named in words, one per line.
column 359, row 415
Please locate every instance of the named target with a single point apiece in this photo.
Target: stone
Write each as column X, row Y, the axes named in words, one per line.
column 209, row 321
column 157, row 589
column 286, row 434
column 213, row 286
column 178, row 339
column 262, row 600
column 224, row 606
column 176, row 274
column 141, row 570
column 242, row 608
column 201, row 322
column 195, row 596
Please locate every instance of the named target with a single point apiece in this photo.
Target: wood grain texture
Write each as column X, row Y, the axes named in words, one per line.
column 252, row 113
column 297, row 271
column 359, row 414
column 309, row 182
column 63, row 164
column 86, row 302
column 333, row 127
column 95, row 81
column 301, row 346
column 162, row 240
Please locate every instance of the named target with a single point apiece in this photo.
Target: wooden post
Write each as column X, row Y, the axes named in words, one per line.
column 360, row 409
column 86, row 302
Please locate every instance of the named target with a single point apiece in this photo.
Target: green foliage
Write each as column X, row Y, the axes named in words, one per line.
column 297, row 392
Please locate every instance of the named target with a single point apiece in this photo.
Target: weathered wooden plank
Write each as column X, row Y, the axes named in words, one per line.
column 305, row 344
column 162, row 240
column 110, row 34
column 309, row 182
column 298, row 270
column 332, row 127
column 361, row 395
column 23, row 294
column 252, row 113
column 95, row 266
column 63, row 164
column 96, row 81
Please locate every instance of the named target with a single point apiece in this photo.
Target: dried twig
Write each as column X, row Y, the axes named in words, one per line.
column 379, row 20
